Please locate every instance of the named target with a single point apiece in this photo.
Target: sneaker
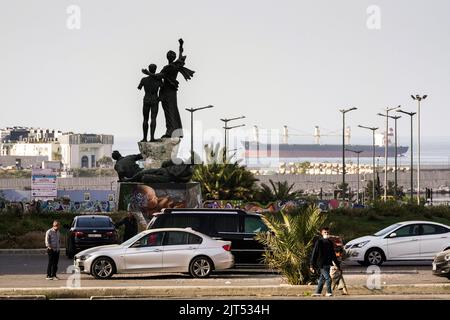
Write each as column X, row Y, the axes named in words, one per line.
column 329, row 295
column 49, row 278
column 316, row 295
column 55, row 278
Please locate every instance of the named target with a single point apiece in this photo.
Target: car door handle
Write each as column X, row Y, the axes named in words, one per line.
column 217, row 238
column 249, row 239
column 414, row 239
column 155, row 250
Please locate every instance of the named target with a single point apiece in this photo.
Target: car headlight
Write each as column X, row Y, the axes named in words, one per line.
column 85, row 256
column 360, row 244
column 447, row 257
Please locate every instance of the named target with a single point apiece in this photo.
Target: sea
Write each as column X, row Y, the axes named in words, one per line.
column 435, row 152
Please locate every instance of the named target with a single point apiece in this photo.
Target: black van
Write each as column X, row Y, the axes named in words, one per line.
column 233, row 225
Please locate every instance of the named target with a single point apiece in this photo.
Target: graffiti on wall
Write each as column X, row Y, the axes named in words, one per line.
column 75, row 206
column 253, row 206
column 149, row 199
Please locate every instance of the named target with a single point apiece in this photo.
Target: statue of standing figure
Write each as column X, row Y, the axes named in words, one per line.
column 167, row 84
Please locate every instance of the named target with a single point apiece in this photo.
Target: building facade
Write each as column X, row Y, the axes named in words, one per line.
column 84, row 150
column 74, row 150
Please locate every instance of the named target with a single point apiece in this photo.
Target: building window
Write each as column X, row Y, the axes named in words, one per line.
column 84, row 162
column 93, row 161
column 87, row 196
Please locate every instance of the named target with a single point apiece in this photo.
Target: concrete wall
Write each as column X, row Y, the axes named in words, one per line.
column 429, row 178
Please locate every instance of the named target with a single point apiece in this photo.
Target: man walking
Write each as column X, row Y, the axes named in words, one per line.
column 322, row 259
column 52, row 242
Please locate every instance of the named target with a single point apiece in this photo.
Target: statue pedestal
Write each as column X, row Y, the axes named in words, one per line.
column 151, row 198
column 155, row 153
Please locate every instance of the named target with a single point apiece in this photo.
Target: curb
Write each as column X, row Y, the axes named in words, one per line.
column 214, row 291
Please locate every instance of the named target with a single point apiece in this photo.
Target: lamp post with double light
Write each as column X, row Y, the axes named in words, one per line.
column 418, row 98
column 411, row 115
column 192, row 110
column 344, row 111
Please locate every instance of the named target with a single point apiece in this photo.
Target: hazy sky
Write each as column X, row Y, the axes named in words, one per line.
column 277, row 62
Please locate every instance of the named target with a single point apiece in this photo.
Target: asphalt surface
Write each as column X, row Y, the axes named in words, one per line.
column 28, row 271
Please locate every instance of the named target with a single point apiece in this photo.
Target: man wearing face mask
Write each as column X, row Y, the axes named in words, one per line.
column 322, row 259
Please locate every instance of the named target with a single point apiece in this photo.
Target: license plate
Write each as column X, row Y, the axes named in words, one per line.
column 94, row 235
column 434, row 266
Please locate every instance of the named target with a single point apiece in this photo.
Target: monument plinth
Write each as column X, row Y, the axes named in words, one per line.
column 155, row 153
column 149, row 198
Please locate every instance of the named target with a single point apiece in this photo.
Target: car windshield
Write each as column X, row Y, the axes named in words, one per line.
column 96, row 222
column 387, row 230
column 132, row 240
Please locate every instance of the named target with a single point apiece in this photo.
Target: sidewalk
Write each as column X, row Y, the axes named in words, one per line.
column 215, row 291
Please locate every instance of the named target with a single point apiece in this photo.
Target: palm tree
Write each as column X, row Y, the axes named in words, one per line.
column 290, row 241
column 224, row 181
column 277, row 191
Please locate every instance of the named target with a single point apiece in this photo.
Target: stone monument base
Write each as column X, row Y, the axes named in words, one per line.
column 151, row 198
column 154, row 153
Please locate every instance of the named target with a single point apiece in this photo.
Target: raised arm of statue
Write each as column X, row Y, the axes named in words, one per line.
column 180, row 50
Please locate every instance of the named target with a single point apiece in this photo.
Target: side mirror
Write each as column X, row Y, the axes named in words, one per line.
column 392, row 235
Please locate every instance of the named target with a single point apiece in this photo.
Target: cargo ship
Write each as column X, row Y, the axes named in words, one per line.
column 257, row 149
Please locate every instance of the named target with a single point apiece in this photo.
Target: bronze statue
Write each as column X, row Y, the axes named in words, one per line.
column 168, row 91
column 169, row 172
column 126, row 167
column 151, row 85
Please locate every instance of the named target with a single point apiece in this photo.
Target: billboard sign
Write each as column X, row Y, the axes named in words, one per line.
column 43, row 184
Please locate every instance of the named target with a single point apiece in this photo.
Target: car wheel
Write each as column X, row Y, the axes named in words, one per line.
column 374, row 257
column 102, row 268
column 200, row 267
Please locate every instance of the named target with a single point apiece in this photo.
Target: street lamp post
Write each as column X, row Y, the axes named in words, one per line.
column 344, row 111
column 386, row 145
column 357, row 166
column 396, row 152
column 373, row 157
column 418, row 98
column 192, row 110
column 225, row 120
column 411, row 115
column 225, row 156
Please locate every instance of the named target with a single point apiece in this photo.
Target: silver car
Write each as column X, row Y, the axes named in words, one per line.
column 158, row 250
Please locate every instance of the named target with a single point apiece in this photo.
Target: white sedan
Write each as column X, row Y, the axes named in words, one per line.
column 158, row 250
column 409, row 240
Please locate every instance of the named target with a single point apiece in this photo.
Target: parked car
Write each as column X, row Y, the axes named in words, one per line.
column 409, row 240
column 89, row 231
column 441, row 264
column 233, row 225
column 158, row 250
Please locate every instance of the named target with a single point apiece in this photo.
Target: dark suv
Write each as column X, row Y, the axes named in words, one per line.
column 233, row 225
column 89, row 231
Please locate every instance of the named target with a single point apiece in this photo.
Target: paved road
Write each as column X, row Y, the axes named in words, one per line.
column 20, row 271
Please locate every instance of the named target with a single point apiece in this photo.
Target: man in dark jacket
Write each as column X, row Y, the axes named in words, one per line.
column 131, row 226
column 322, row 258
